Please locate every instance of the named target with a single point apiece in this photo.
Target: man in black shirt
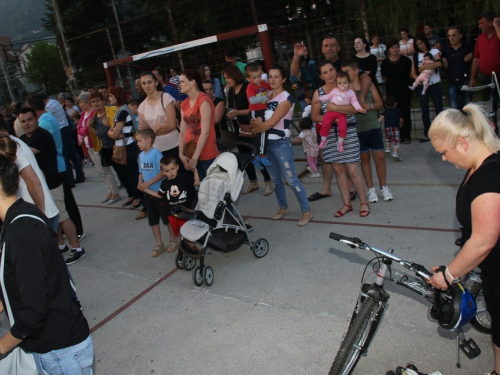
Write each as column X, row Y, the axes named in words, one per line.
column 43, row 146
column 457, row 57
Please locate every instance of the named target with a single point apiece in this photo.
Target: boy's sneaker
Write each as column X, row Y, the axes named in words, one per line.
column 387, row 151
column 309, row 169
column 65, row 250
column 257, row 163
column 372, row 195
column 80, row 236
column 340, row 146
column 322, row 144
column 263, row 160
column 386, row 194
column 315, row 175
column 75, row 256
column 395, row 156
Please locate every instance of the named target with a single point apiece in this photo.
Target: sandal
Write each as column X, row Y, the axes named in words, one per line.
column 341, row 213
column 127, row 202
column 172, row 246
column 316, row 196
column 364, row 213
column 250, row 189
column 158, row 250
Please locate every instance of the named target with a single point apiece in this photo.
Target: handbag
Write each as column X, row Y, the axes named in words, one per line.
column 17, row 362
column 245, row 129
column 227, row 137
column 120, row 153
column 189, row 148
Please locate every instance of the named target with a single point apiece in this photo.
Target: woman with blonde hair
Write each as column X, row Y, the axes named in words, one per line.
column 466, row 139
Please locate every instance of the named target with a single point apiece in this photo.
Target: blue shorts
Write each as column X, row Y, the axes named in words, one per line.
column 371, row 140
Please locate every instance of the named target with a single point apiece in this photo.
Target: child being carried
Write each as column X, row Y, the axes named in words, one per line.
column 425, row 76
column 341, row 95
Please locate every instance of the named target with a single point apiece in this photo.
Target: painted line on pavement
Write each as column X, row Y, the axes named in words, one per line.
column 132, row 301
column 404, row 227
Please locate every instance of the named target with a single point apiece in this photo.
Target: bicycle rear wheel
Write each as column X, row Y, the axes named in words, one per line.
column 357, row 338
column 482, row 320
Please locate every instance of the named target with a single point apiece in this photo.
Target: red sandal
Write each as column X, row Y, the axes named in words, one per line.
column 339, row 213
column 364, row 213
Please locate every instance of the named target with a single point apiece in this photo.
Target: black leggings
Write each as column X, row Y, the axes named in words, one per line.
column 491, row 290
column 250, row 169
column 129, row 174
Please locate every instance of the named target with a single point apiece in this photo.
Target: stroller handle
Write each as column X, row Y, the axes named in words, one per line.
column 243, row 144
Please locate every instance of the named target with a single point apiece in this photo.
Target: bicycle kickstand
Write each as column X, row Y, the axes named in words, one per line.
column 468, row 346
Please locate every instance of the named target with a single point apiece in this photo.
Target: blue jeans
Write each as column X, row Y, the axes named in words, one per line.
column 280, row 154
column 435, row 92
column 76, row 359
column 458, row 98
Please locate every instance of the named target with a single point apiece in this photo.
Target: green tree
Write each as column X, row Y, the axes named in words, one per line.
column 45, row 67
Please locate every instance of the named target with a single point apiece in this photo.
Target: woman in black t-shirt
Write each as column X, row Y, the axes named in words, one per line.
column 465, row 139
column 367, row 62
column 237, row 103
column 40, row 302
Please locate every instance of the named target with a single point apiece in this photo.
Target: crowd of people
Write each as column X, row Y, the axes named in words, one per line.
column 158, row 147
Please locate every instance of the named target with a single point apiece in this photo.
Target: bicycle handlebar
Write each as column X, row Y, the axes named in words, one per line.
column 355, row 242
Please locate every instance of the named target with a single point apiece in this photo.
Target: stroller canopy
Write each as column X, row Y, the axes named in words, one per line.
column 225, row 167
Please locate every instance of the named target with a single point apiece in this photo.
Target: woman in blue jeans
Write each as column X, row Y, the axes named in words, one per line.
column 279, row 149
column 435, row 90
column 36, row 293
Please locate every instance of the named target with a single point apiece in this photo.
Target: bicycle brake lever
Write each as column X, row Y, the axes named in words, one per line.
column 351, row 241
column 421, row 271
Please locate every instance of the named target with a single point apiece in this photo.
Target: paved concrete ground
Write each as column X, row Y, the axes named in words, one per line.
column 282, row 314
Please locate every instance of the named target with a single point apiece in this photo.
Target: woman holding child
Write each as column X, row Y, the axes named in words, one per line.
column 279, row 149
column 345, row 164
column 435, row 90
column 197, row 125
column 237, row 102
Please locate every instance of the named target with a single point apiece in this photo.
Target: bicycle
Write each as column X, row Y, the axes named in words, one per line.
column 372, row 302
column 492, row 86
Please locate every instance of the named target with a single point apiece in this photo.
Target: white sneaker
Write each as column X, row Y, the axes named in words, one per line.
column 315, row 175
column 395, row 156
column 385, row 193
column 372, row 195
column 387, row 151
column 309, row 169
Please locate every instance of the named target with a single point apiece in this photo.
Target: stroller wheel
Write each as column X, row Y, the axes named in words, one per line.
column 197, row 276
column 189, row 263
column 208, row 275
column 179, row 260
column 260, row 248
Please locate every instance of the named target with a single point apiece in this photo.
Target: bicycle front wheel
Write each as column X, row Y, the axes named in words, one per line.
column 357, row 337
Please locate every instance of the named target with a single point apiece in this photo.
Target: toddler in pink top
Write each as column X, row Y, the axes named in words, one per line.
column 341, row 95
column 425, row 76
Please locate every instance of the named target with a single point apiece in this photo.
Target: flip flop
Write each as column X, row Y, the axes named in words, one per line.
column 316, row 196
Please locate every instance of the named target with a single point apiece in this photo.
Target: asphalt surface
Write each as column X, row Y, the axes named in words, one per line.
column 282, row 314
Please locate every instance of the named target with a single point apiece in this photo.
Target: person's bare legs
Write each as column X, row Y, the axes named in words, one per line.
column 379, row 159
column 366, row 168
column 343, row 184
column 69, row 230
column 327, row 170
column 496, row 353
column 357, row 181
column 157, row 233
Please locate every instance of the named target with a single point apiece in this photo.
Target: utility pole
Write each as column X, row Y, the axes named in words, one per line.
column 5, row 73
column 176, row 41
column 70, row 70
column 129, row 72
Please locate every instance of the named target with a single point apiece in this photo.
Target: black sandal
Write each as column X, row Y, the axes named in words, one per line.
column 127, row 203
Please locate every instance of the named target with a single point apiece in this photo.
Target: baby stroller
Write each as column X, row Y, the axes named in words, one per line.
column 215, row 222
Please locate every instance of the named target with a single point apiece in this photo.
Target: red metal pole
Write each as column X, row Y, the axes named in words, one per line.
column 109, row 77
column 267, row 52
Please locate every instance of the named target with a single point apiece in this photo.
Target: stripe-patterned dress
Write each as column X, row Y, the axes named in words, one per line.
column 351, row 142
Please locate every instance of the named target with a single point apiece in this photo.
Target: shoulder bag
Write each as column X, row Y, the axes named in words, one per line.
column 17, row 361
column 245, row 129
column 120, row 152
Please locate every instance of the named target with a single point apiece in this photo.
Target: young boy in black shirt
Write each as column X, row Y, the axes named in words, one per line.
column 177, row 188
